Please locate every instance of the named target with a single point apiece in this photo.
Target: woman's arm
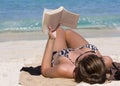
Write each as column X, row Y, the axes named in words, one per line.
column 47, row 57
column 46, row 62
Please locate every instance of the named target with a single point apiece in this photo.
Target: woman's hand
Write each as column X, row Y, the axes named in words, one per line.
column 52, row 34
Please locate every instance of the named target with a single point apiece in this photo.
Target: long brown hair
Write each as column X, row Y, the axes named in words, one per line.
column 90, row 69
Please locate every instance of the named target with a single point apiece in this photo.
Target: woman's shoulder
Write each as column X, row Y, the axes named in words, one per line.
column 66, row 70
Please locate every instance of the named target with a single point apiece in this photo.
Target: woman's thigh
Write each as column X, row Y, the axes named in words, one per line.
column 74, row 40
column 60, row 42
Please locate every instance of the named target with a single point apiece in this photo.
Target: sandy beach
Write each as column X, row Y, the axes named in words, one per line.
column 20, row 49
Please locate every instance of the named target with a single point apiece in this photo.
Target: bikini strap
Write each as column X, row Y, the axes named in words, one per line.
column 92, row 47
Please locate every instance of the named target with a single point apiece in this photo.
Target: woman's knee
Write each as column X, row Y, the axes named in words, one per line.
column 68, row 31
column 60, row 30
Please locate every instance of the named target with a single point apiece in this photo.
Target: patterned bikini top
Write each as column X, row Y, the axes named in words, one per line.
column 65, row 52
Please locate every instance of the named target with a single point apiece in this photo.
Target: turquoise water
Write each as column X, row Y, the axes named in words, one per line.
column 26, row 15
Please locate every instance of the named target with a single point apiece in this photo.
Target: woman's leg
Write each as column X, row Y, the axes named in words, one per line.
column 60, row 42
column 74, row 40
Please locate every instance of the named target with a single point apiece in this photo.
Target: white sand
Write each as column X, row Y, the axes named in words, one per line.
column 14, row 54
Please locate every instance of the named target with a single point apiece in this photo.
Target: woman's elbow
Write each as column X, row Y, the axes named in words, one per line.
column 43, row 71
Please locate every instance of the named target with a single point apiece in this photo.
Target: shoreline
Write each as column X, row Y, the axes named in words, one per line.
column 39, row 35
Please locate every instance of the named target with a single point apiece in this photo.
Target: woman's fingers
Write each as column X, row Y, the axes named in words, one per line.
column 51, row 33
column 51, row 29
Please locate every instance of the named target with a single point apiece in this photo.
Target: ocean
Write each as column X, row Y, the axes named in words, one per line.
column 26, row 15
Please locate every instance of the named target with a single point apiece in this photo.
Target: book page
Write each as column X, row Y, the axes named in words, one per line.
column 51, row 18
column 44, row 19
column 69, row 19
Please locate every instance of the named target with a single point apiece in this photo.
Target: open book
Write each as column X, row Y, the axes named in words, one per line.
column 59, row 16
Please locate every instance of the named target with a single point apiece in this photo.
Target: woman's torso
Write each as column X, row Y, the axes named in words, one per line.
column 68, row 61
column 69, row 56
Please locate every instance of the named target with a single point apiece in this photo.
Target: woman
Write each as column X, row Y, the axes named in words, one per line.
column 69, row 55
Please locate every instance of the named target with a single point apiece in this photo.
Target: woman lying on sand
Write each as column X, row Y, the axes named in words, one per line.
column 69, row 55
